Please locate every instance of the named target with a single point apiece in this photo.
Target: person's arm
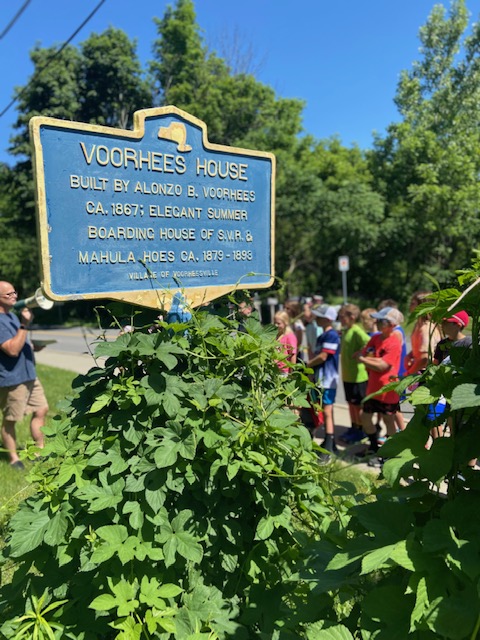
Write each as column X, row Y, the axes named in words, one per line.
column 292, row 348
column 374, row 363
column 317, row 360
column 417, row 364
column 13, row 346
column 420, row 360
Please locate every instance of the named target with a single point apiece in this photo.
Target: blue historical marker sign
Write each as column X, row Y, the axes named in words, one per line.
column 132, row 214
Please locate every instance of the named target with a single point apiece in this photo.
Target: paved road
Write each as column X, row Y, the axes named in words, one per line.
column 71, row 339
column 73, row 347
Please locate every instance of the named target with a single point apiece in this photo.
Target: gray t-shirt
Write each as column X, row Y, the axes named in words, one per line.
column 14, row 370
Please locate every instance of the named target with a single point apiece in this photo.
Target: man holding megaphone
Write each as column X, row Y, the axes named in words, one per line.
column 21, row 392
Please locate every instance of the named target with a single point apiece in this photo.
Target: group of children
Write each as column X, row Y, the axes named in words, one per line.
column 371, row 349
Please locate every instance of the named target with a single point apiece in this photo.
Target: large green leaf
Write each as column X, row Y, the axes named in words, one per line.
column 103, row 602
column 70, row 467
column 437, row 462
column 114, row 534
column 114, row 348
column 166, row 453
column 422, row 604
column 30, row 528
column 167, row 354
column 100, row 498
column 454, row 616
column 465, row 395
column 334, row 632
column 136, row 518
column 57, row 528
column 378, row 559
column 265, row 528
column 188, row 546
column 102, row 401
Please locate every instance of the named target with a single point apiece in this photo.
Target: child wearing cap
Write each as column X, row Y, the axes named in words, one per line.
column 381, row 357
column 325, row 366
column 452, row 328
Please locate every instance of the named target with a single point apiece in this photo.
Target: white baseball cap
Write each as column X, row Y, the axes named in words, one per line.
column 324, row 311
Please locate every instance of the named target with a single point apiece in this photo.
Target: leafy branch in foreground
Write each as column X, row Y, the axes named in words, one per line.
column 179, row 494
column 407, row 564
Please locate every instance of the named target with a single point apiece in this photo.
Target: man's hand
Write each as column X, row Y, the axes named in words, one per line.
column 26, row 316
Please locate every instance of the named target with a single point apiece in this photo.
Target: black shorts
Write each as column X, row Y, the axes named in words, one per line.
column 375, row 406
column 355, row 392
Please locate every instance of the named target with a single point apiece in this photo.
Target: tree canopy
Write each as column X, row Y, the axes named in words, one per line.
column 427, row 165
column 405, row 207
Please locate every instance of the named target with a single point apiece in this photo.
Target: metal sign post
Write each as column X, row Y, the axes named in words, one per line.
column 144, row 215
column 344, row 266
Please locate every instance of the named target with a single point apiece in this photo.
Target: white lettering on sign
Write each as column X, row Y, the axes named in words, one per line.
column 158, row 189
column 206, row 273
column 226, row 214
column 88, row 182
column 158, row 256
column 157, row 211
column 221, row 169
column 120, row 233
column 105, row 257
column 146, row 275
column 222, row 193
column 176, row 234
column 119, row 157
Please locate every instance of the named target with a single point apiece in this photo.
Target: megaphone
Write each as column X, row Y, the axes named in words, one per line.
column 37, row 300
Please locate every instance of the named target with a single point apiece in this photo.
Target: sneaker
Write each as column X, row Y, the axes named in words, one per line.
column 330, row 452
column 367, row 453
column 347, row 435
column 18, row 465
column 357, row 435
column 331, row 448
column 324, row 458
column 376, row 462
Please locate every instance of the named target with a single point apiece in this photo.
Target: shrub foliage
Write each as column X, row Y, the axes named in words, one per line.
column 178, row 496
column 407, row 564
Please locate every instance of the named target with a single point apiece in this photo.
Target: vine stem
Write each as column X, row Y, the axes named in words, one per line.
column 467, row 290
column 475, row 630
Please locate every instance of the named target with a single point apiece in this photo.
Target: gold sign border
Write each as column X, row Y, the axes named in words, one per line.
column 156, row 298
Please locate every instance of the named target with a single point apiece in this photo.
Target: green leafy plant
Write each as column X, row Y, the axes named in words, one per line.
column 34, row 623
column 407, row 565
column 179, row 495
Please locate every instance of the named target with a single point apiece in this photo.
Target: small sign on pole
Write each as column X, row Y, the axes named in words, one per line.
column 343, row 263
column 344, row 266
column 143, row 215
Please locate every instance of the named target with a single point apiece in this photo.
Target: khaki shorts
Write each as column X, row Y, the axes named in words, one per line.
column 22, row 399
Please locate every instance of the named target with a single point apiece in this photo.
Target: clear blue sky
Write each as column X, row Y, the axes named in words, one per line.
column 342, row 58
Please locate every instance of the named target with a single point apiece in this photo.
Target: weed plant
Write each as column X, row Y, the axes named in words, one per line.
column 179, row 498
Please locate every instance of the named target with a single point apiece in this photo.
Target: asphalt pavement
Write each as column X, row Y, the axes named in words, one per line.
column 69, row 348
column 76, row 362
